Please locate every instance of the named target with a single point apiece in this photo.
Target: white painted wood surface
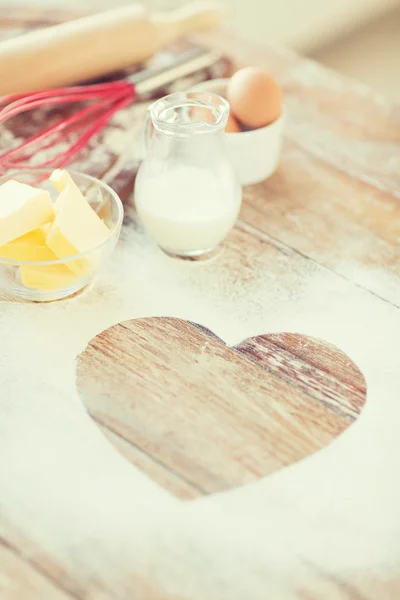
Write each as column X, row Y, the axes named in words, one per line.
column 316, row 252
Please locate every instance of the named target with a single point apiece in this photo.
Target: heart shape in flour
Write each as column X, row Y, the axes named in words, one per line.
column 200, row 417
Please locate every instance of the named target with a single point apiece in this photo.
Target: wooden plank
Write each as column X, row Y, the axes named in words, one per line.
column 322, row 201
column 27, row 572
column 114, row 155
column 340, row 120
column 317, row 368
column 328, row 122
column 26, row 547
column 164, row 384
column 333, row 218
column 335, row 197
column 21, row 581
column 288, row 365
column 138, row 457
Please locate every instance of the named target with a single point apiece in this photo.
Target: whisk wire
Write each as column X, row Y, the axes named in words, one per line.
column 104, row 100
column 86, row 92
column 71, row 124
column 94, row 125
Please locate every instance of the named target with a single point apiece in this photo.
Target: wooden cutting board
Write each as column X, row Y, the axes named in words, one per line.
column 194, row 414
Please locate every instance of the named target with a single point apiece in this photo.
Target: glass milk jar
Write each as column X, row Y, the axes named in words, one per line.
column 186, row 191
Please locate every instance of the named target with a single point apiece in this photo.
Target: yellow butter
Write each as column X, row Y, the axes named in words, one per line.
column 76, row 228
column 60, row 179
column 31, row 246
column 23, row 208
column 47, row 277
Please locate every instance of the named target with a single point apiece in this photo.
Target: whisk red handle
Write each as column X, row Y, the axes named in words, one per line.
column 101, row 102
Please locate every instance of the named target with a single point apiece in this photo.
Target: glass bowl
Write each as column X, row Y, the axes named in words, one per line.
column 55, row 279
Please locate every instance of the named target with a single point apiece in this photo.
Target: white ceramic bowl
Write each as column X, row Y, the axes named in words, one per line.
column 254, row 154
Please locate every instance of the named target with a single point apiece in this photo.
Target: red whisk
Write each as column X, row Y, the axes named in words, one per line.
column 103, row 101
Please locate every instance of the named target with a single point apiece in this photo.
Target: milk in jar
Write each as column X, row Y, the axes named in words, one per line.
column 186, row 192
column 186, row 210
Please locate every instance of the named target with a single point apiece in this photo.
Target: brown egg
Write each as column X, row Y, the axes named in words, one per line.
column 232, row 126
column 255, row 97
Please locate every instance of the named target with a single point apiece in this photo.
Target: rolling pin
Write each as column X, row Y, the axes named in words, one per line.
column 95, row 45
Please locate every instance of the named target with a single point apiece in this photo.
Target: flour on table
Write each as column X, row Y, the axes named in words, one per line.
column 76, row 498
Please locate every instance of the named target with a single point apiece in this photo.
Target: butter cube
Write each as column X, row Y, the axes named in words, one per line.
column 22, row 209
column 47, row 277
column 31, row 246
column 60, row 179
column 76, row 228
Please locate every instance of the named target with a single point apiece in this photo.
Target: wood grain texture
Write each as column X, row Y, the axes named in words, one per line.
column 148, row 463
column 337, row 220
column 216, row 417
column 20, row 580
column 113, row 155
column 335, row 195
column 33, row 557
column 334, row 200
column 29, row 572
column 317, row 368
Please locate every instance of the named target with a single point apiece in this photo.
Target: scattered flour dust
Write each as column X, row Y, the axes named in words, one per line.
column 76, row 499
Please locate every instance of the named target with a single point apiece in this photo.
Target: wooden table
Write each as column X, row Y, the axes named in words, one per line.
column 211, row 377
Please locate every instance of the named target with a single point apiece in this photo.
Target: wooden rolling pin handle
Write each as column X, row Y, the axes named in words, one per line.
column 96, row 45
